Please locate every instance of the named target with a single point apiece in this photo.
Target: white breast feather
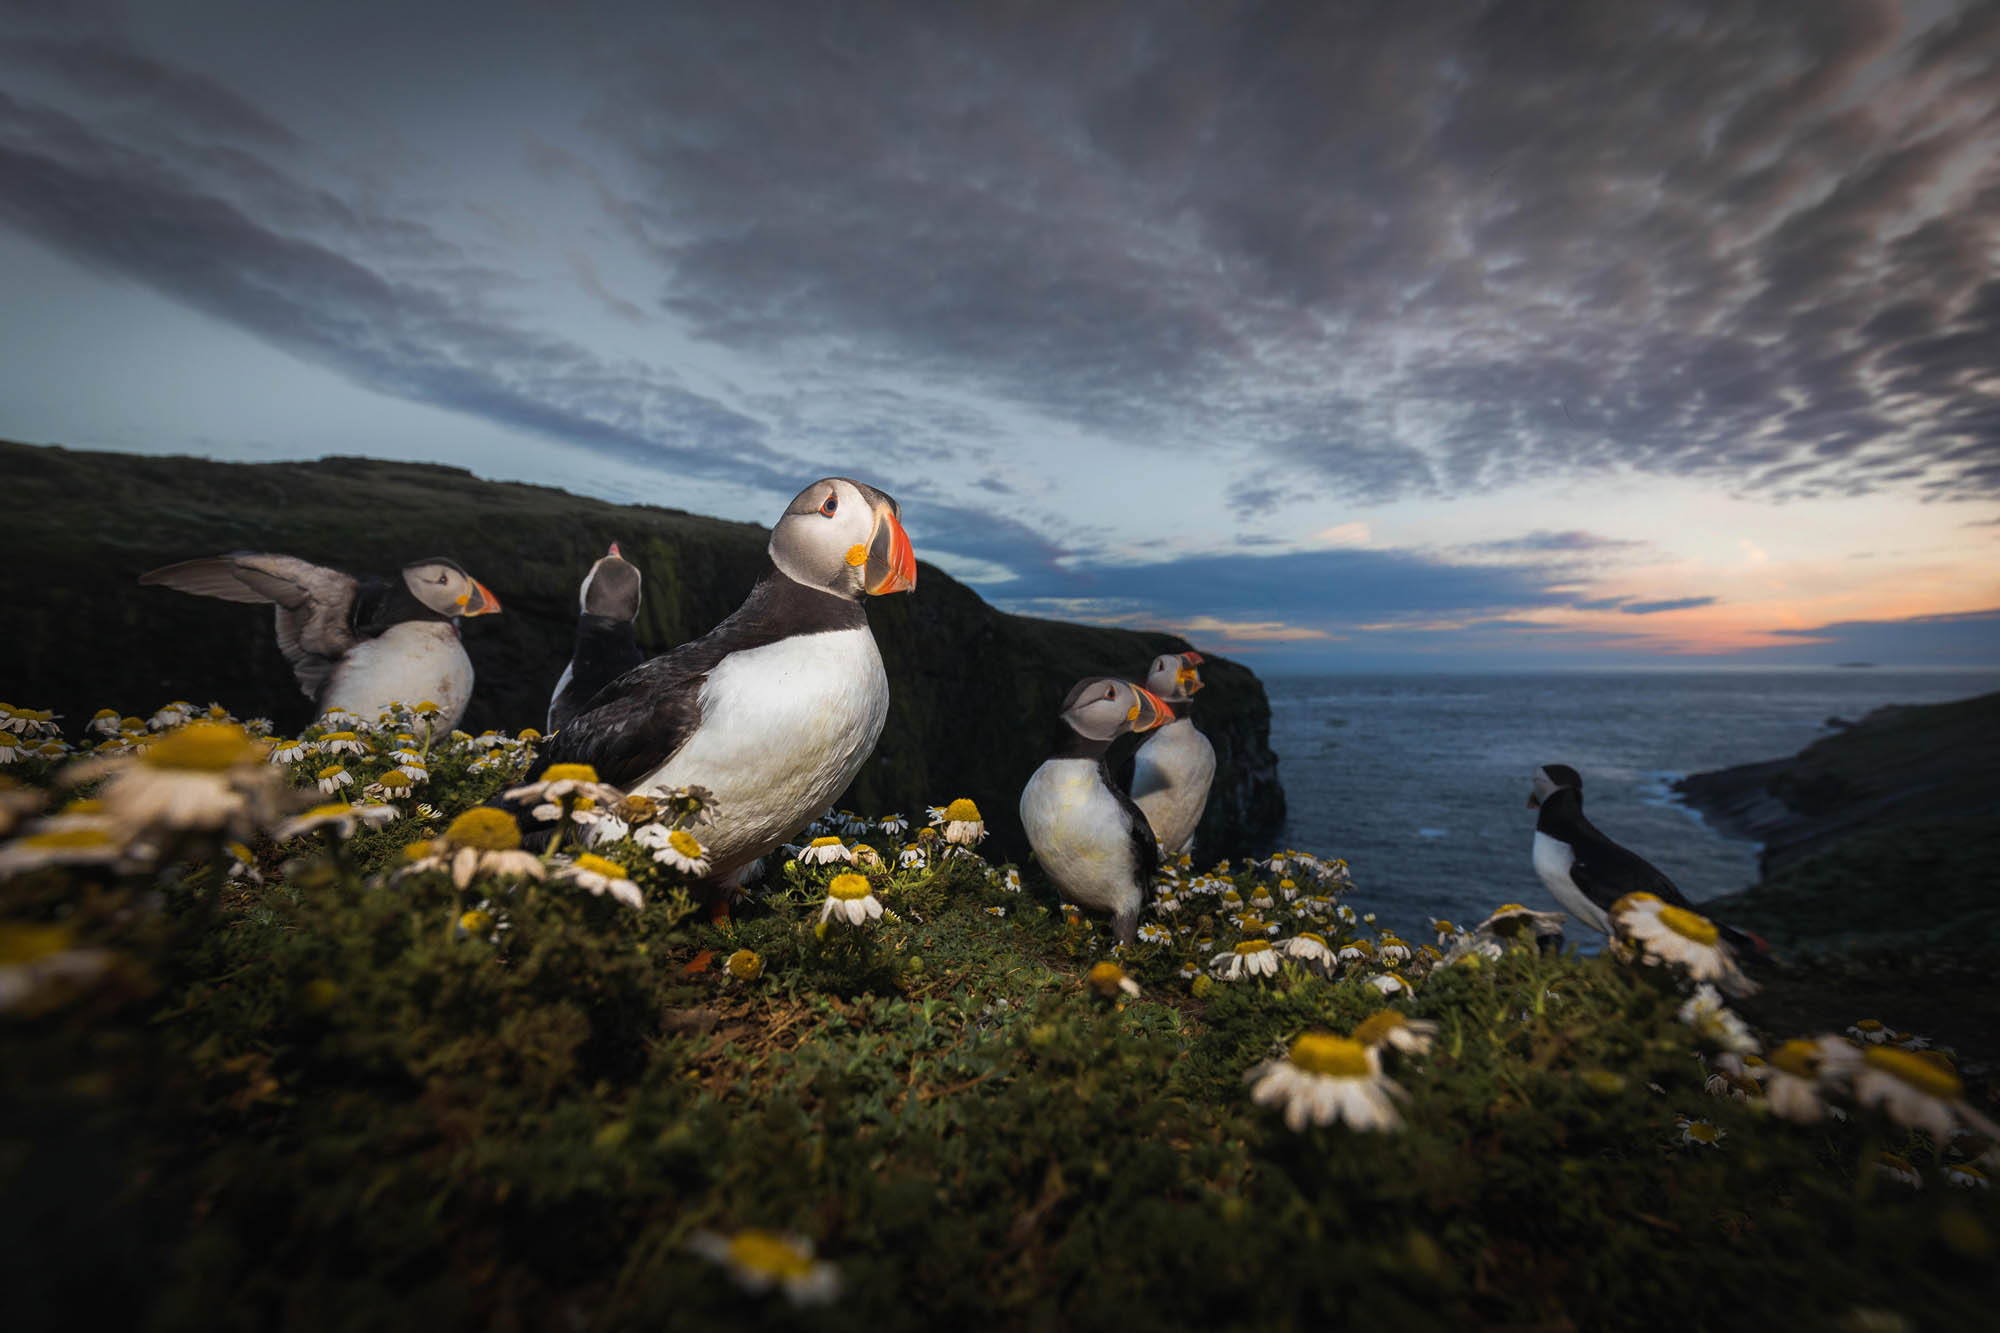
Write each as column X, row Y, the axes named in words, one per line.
column 1078, row 831
column 784, row 729
column 1553, row 858
column 1170, row 780
column 414, row 661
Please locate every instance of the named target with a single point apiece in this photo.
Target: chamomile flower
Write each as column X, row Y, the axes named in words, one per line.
column 935, row 814
column 851, row 899
column 333, row 777
column 1966, row 1176
column 175, row 714
column 674, row 847
column 1658, row 932
column 1512, row 923
column 1916, row 1090
column 1189, row 971
column 1390, row 983
column 339, row 816
column 1713, row 1022
column 1388, row 1027
column 206, row 777
column 1261, row 899
column 895, row 825
column 1309, row 948
column 912, row 857
column 1109, row 980
column 14, row 747
column 566, row 780
column 1700, row 1133
column 1793, row 1076
column 601, row 876
column 1870, row 1030
column 286, row 752
column 1154, row 933
column 1892, row 1167
column 343, row 742
column 76, row 844
column 996, row 910
column 1288, row 889
column 482, row 841
column 104, row 722
column 393, row 785
column 1324, row 1079
column 825, row 852
column 38, row 963
column 759, row 1260
column 1355, row 951
column 1010, row 880
column 1252, row 958
column 962, row 824
column 744, row 965
column 1392, row 949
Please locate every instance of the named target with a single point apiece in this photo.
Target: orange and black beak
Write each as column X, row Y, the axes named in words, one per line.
column 1534, row 801
column 1187, row 677
column 1150, row 710
column 479, row 602
column 892, row 565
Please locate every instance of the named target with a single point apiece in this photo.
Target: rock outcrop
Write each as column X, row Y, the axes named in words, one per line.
column 974, row 690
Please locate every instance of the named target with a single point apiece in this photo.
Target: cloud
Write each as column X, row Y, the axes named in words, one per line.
column 1574, row 541
column 1250, row 631
column 1966, row 638
column 1673, row 604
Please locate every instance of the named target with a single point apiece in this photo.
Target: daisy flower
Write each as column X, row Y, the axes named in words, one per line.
column 393, row 785
column 1389, row 983
column 339, row 816
column 1109, row 980
column 104, row 722
column 1189, row 971
column 1916, row 1090
column 895, row 825
column 61, row 845
column 1387, row 1027
column 1793, row 1076
column 1514, row 924
column 566, row 780
column 1154, row 933
column 935, row 814
column 911, row 857
column 1714, row 1023
column 333, row 777
column 1308, row 948
column 759, row 1260
column 285, row 752
column 1288, row 889
column 175, row 714
column 601, row 877
column 997, row 910
column 207, row 776
column 867, row 857
column 1966, row 1176
column 852, row 899
column 1254, row 957
column 1700, row 1133
column 1324, row 1079
column 1870, row 1030
column 825, row 852
column 1659, row 932
column 674, row 847
column 962, row 823
column 35, row 957
column 1892, row 1167
column 744, row 965
column 482, row 841
column 1260, row 898
column 1355, row 951
column 1166, row 904
column 1010, row 880
column 342, row 742
column 1393, row 950
column 13, row 747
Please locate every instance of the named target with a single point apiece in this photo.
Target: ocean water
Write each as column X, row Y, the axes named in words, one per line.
column 1421, row 781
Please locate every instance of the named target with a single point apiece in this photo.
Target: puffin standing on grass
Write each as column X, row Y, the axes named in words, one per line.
column 1587, row 873
column 1174, row 767
column 355, row 643
column 1089, row 836
column 606, row 646
column 774, row 710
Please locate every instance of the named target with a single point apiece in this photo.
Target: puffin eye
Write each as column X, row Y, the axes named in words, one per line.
column 828, row 505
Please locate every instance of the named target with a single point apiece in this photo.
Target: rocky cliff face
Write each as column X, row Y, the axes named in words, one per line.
column 1897, row 765
column 974, row 691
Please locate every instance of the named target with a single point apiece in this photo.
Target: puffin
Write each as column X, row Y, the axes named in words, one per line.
column 775, row 709
column 1175, row 765
column 355, row 642
column 1090, row 837
column 1586, row 872
column 606, row 646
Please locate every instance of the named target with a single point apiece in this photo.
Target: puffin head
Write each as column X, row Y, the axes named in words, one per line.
column 1174, row 677
column 1102, row 708
column 1552, row 778
column 844, row 536
column 445, row 587
column 611, row 588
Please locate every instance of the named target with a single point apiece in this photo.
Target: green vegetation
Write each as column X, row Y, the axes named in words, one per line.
column 324, row 1086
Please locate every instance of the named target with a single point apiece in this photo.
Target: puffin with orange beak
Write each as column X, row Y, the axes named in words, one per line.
column 774, row 710
column 1172, row 771
column 1089, row 836
column 355, row 643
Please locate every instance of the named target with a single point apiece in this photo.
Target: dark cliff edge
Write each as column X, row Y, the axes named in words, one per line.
column 973, row 691
column 1898, row 765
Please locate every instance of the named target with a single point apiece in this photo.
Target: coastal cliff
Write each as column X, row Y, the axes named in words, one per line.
column 973, row 691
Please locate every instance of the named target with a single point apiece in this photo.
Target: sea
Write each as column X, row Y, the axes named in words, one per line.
column 1420, row 782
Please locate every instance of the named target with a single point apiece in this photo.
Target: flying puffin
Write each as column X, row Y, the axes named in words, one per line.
column 775, row 709
column 358, row 643
column 1093, row 841
column 1173, row 769
column 1586, row 872
column 606, row 647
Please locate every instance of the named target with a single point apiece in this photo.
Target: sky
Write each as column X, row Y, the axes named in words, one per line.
column 1329, row 335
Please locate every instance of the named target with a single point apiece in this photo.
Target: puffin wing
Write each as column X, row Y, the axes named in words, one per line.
column 1145, row 846
column 314, row 604
column 638, row 721
column 1606, row 872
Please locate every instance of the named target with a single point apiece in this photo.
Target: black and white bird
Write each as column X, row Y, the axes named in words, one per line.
column 606, row 645
column 1586, row 872
column 1089, row 836
column 1175, row 765
column 358, row 643
column 774, row 710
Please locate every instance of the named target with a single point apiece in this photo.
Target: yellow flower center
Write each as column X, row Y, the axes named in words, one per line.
column 1336, row 1057
column 1798, row 1058
column 1106, row 976
column 475, row 922
column 84, row 806
column 637, row 809
column 1701, row 1131
column 528, row 734
column 1252, row 926
column 962, row 811
column 827, row 842
column 208, row 747
column 569, row 773
column 769, row 1254
column 745, row 965
column 1689, row 925
column 240, row 852
column 485, row 829
column 1376, row 1028
column 849, row 886
column 1504, row 908
column 395, row 777
column 1249, row 947
column 1286, row 884
column 1315, row 937
column 1868, row 1024
column 340, row 736
column 330, row 770
column 684, row 842
column 69, row 837
column 427, row 706
column 23, row 943
column 1916, row 1071
column 597, row 865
